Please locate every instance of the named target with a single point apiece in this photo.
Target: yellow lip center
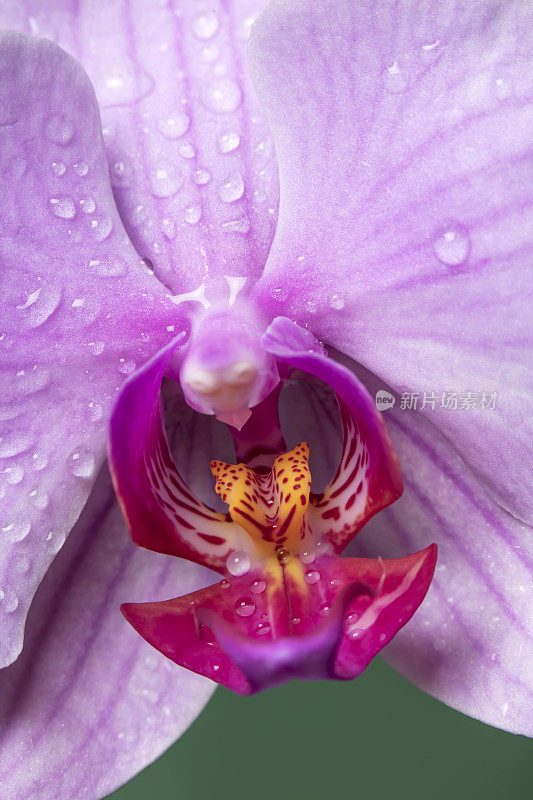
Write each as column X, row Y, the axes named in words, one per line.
column 270, row 508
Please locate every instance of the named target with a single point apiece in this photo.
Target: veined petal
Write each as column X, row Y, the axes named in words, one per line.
column 403, row 134
column 368, row 477
column 75, row 302
column 89, row 704
column 190, row 156
column 471, row 643
column 159, row 508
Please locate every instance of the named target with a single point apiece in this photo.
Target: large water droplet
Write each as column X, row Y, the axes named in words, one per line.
column 13, row 443
column 101, row 228
column 244, row 607
column 187, row 150
column 174, row 126
column 87, row 205
column 166, row 180
column 59, row 129
column 257, row 587
column 312, row 576
column 238, row 562
column 307, row 556
column 355, row 633
column 452, row 246
column 222, row 95
column 13, row 474
column 227, row 142
column 81, row 462
column 232, row 189
column 63, row 207
column 205, row 25
column 16, row 530
column 81, row 168
column 40, row 305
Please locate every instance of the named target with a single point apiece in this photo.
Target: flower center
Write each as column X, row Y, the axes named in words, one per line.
column 271, row 508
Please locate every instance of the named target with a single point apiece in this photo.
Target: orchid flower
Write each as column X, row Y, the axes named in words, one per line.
column 243, row 184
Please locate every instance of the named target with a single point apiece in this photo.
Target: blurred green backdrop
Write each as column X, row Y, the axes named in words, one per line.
column 377, row 737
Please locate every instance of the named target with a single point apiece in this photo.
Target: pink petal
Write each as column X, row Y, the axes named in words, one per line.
column 403, row 134
column 190, row 157
column 75, row 301
column 88, row 704
column 471, row 643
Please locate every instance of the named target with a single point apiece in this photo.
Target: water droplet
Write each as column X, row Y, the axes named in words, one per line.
column 95, row 411
column 244, row 607
column 58, row 168
column 168, row 228
column 201, row 177
column 96, row 348
column 14, row 474
column 279, row 293
column 452, row 246
column 39, row 461
column 33, row 380
column 63, row 207
column 40, row 305
column 222, row 95
column 39, row 498
column 81, row 462
column 121, row 172
column 224, row 583
column 87, row 205
column 351, row 618
column 395, row 79
column 336, row 302
column 9, row 600
column 192, row 214
column 323, row 610
column 126, row 365
column 312, row 576
column 108, row 268
column 13, row 443
column 232, row 189
column 307, row 557
column 283, row 555
column 166, row 180
column 59, row 129
column 257, row 587
column 101, row 228
column 355, row 633
column 229, row 141
column 262, row 629
column 236, row 226
column 174, row 126
column 16, row 530
column 238, row 563
column 187, row 150
column 81, row 168
column 55, row 541
column 205, row 25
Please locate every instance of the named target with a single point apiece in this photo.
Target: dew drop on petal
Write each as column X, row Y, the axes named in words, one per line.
column 40, row 305
column 8, row 600
column 307, row 557
column 187, row 150
column 394, row 78
column 13, row 474
column 96, row 348
column 231, row 189
column 452, row 245
column 17, row 529
column 257, row 587
column 224, row 583
column 312, row 576
column 63, row 207
column 227, row 142
column 39, row 499
column 201, row 177
column 205, row 25
column 166, row 180
column 238, row 563
column 58, row 168
column 355, row 633
column 59, row 129
column 13, row 443
column 126, row 366
column 87, row 205
column 336, row 302
column 101, row 228
column 55, row 541
column 192, row 214
column 95, row 411
column 244, row 607
column 174, row 126
column 222, row 95
column 81, row 168
column 324, row 610
column 262, row 629
column 81, row 462
column 39, row 461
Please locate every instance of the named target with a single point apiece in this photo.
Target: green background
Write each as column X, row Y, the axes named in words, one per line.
column 374, row 738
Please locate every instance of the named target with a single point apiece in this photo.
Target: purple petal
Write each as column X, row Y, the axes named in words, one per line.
column 190, row 157
column 74, row 307
column 403, row 134
column 88, row 704
column 471, row 643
